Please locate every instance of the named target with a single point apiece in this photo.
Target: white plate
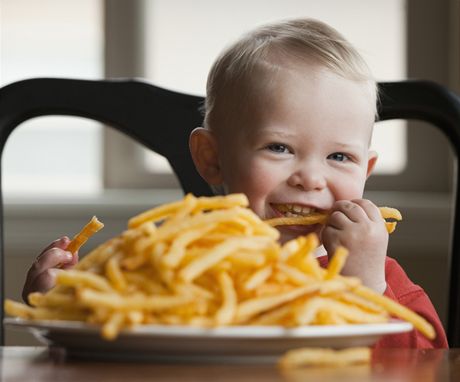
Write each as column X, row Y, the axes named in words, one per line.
column 173, row 342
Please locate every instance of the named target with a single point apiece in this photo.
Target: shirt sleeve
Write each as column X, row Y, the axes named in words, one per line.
column 401, row 289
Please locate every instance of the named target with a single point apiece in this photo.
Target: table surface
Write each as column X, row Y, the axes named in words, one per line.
column 42, row 364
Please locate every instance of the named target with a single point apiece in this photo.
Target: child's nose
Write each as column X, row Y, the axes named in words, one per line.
column 307, row 179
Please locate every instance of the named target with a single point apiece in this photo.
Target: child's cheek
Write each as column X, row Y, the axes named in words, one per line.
column 256, row 183
column 255, row 179
column 348, row 188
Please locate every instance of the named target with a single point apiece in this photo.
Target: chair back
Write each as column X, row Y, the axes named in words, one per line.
column 433, row 103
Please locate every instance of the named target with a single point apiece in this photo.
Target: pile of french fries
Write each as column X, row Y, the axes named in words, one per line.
column 208, row 261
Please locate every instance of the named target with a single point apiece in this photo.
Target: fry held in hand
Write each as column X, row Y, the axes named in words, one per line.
column 321, row 218
column 81, row 238
column 208, row 262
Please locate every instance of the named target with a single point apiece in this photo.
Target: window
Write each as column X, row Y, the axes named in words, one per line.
column 53, row 155
column 52, row 38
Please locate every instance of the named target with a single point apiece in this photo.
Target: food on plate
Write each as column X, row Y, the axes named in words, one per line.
column 209, row 261
column 321, row 218
column 325, row 357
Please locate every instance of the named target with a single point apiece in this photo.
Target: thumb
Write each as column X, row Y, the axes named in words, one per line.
column 72, row 262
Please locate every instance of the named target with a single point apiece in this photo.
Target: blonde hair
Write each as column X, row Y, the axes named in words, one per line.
column 232, row 79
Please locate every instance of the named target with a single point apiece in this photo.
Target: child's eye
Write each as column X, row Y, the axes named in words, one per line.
column 339, row 157
column 278, row 148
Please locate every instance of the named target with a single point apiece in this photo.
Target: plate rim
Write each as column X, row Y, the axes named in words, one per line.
column 393, row 326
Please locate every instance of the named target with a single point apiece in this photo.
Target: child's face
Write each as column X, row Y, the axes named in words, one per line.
column 305, row 146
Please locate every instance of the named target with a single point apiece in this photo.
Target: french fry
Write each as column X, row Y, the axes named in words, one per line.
column 329, row 317
column 73, row 277
column 115, row 275
column 252, row 307
column 227, row 311
column 391, row 226
column 135, row 302
column 99, row 255
column 321, row 218
column 204, row 203
column 88, row 230
column 294, row 275
column 306, row 314
column 155, row 214
column 390, row 213
column 247, row 258
column 397, row 310
column 177, row 251
column 325, row 357
column 51, row 300
column 218, row 202
column 197, row 221
column 337, row 263
column 141, row 282
column 18, row 309
column 112, row 327
column 219, row 253
column 363, row 303
column 313, row 218
column 351, row 314
column 40, row 313
column 274, row 316
column 258, row 278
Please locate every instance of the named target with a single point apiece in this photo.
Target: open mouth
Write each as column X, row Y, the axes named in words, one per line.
column 294, row 210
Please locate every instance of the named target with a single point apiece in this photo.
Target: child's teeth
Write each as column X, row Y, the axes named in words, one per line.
column 291, row 210
column 306, row 210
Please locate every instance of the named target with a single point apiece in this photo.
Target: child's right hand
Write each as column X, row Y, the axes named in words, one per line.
column 41, row 276
column 358, row 226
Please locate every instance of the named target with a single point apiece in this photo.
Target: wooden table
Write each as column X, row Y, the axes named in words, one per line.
column 40, row 364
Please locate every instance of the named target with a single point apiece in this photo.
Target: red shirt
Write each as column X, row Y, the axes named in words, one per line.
column 401, row 289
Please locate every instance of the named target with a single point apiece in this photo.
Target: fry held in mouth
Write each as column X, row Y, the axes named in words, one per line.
column 321, row 218
column 208, row 262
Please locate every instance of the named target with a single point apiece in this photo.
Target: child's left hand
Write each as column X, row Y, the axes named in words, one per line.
column 358, row 226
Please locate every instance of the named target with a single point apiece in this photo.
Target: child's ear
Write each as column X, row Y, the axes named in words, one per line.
column 372, row 160
column 203, row 148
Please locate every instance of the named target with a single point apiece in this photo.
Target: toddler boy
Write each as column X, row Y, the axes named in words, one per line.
column 289, row 114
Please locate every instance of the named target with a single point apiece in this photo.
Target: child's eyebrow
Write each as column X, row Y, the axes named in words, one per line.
column 270, row 134
column 349, row 146
column 279, row 133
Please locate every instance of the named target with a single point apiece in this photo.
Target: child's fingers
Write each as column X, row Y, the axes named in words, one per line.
column 40, row 275
column 330, row 237
column 71, row 263
column 344, row 212
column 337, row 220
column 370, row 209
column 352, row 210
column 61, row 243
column 52, row 258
